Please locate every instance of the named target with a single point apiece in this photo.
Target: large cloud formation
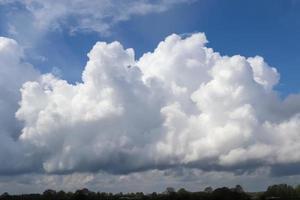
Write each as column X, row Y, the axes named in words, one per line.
column 182, row 105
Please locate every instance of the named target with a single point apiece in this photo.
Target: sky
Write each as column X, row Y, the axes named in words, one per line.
column 127, row 96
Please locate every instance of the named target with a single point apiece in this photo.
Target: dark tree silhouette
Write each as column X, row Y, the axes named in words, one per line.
column 279, row 192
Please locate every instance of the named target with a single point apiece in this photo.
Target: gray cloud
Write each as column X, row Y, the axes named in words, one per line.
column 149, row 181
column 13, row 72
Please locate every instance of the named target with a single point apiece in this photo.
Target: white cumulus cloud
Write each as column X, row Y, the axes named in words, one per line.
column 181, row 105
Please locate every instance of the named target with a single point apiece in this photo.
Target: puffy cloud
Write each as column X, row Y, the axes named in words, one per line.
column 181, row 105
column 13, row 72
column 241, row 122
column 107, row 122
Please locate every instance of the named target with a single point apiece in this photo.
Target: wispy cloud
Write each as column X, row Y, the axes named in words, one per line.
column 94, row 15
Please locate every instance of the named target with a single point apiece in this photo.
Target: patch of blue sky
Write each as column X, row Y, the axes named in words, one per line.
column 267, row 28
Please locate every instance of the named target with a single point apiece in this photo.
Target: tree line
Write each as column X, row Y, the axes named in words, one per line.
column 274, row 192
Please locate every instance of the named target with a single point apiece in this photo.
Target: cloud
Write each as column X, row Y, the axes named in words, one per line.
column 182, row 105
column 13, row 72
column 94, row 15
column 147, row 182
column 94, row 124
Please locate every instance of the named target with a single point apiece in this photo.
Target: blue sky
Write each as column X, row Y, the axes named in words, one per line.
column 78, row 109
column 267, row 28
